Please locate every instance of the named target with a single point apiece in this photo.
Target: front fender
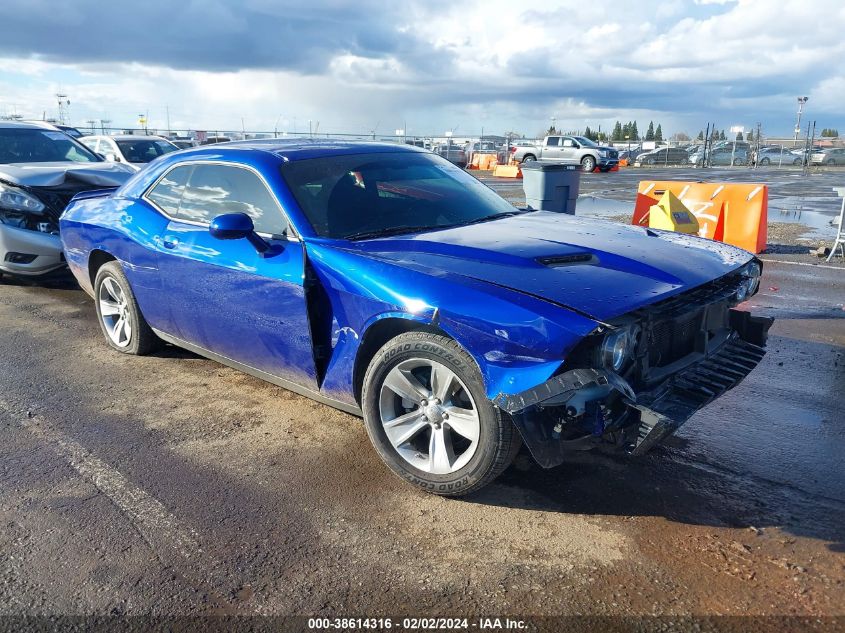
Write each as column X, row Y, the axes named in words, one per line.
column 518, row 341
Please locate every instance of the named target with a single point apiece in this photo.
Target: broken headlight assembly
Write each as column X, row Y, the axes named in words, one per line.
column 15, row 199
column 22, row 210
column 750, row 281
column 616, row 349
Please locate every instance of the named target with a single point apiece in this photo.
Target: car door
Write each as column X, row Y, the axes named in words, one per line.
column 223, row 295
column 569, row 151
column 552, row 150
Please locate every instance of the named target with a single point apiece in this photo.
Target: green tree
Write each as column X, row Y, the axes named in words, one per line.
column 617, row 132
column 700, row 135
column 830, row 133
column 750, row 137
column 588, row 133
column 649, row 135
column 722, row 136
column 739, row 136
column 658, row 133
column 635, row 135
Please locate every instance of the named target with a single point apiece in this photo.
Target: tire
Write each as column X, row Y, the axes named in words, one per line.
column 764, row 161
column 738, row 162
column 831, row 163
column 529, row 158
column 588, row 163
column 112, row 290
column 650, row 161
column 683, row 161
column 424, row 449
column 797, row 162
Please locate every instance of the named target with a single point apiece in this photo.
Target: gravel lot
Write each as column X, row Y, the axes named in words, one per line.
column 170, row 485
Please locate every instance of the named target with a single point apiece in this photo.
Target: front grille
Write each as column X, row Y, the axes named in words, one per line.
column 705, row 294
column 57, row 198
column 673, row 339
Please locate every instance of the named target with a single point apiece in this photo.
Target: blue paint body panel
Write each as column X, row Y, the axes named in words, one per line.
column 489, row 286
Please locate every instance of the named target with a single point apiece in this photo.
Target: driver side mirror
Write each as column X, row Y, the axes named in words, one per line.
column 236, row 226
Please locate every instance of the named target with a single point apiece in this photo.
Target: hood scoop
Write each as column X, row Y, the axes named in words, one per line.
column 570, row 259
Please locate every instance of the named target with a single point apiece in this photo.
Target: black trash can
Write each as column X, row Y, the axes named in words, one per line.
column 551, row 187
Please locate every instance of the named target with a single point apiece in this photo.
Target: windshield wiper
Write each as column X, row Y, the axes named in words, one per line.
column 391, row 230
column 490, row 218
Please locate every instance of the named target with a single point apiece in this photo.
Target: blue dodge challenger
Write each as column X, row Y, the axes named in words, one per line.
column 389, row 283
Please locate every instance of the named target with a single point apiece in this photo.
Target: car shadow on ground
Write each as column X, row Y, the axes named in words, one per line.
column 667, row 484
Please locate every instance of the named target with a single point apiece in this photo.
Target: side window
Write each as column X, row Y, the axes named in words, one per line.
column 217, row 189
column 90, row 143
column 105, row 147
column 552, row 141
column 568, row 142
column 168, row 192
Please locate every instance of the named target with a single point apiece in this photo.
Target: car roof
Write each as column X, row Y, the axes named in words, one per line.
column 26, row 125
column 301, row 149
column 126, row 137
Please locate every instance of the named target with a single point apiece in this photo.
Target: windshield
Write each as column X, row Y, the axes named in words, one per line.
column 28, row 145
column 143, row 151
column 583, row 140
column 343, row 196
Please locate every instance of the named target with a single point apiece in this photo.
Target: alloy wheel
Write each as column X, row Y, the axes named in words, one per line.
column 114, row 312
column 429, row 416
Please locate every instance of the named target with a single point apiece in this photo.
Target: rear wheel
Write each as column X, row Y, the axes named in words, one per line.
column 120, row 319
column 429, row 419
column 764, row 161
column 528, row 158
column 588, row 163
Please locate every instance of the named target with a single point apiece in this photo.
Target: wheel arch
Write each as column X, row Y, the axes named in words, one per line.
column 380, row 332
column 96, row 259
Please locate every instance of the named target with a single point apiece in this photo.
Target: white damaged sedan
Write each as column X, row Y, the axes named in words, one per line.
column 41, row 169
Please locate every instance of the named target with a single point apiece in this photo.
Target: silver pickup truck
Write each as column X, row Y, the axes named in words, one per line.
column 570, row 150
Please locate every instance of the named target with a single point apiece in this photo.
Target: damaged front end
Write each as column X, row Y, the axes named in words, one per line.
column 632, row 384
column 29, row 225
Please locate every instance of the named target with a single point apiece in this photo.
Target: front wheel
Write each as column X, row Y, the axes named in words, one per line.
column 738, row 162
column 120, row 319
column 429, row 419
column 588, row 163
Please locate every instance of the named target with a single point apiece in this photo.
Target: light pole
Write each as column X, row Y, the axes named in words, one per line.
column 801, row 102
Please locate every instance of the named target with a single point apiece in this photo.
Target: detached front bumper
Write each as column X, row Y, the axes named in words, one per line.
column 29, row 253
column 610, row 414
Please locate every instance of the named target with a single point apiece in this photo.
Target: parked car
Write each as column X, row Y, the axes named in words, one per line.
column 775, row 155
column 211, row 140
column 67, row 129
column 663, row 156
column 480, row 147
column 382, row 280
column 721, row 155
column 455, row 154
column 507, row 151
column 41, row 169
column 183, row 143
column 135, row 151
column 571, row 150
column 829, row 156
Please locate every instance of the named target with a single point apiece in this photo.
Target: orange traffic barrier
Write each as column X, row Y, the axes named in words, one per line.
column 483, row 161
column 734, row 213
column 507, row 171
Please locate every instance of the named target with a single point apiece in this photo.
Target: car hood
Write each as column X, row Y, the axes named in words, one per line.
column 53, row 174
column 598, row 268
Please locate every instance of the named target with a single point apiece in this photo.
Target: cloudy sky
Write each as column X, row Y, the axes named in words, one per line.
column 429, row 66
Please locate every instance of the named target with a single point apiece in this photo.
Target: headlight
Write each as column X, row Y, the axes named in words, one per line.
column 18, row 200
column 603, row 154
column 615, row 349
column 751, row 280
